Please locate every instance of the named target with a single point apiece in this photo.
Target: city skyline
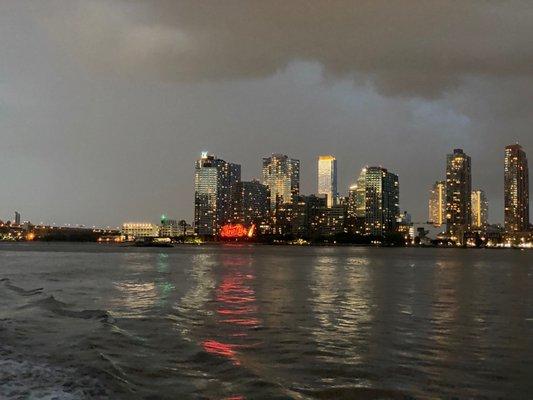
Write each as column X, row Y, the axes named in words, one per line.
column 370, row 209
column 97, row 143
column 342, row 192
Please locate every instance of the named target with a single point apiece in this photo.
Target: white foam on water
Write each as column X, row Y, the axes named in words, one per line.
column 22, row 378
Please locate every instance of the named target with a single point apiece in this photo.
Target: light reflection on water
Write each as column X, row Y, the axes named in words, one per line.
column 236, row 308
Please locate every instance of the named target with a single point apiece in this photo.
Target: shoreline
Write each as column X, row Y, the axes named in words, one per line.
column 241, row 243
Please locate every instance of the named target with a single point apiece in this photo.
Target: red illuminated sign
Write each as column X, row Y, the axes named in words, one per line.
column 236, row 231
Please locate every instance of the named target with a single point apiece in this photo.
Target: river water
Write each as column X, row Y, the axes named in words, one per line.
column 81, row 321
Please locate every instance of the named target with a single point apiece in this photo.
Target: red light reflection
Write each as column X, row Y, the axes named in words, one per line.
column 236, row 310
column 220, row 349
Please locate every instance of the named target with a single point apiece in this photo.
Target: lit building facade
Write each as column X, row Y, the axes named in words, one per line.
column 351, row 210
column 356, row 210
column 516, row 189
column 327, row 178
column 382, row 201
column 171, row 228
column 437, row 204
column 135, row 230
column 480, row 210
column 327, row 221
column 215, row 184
column 405, row 227
column 458, row 194
column 309, row 216
column 253, row 203
column 282, row 176
column 292, row 218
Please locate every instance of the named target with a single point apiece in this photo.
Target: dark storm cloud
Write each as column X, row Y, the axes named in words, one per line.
column 104, row 105
column 412, row 48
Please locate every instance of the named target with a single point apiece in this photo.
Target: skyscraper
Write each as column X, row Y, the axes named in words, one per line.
column 376, row 200
column 351, row 210
column 215, row 183
column 516, row 189
column 480, row 210
column 458, row 194
column 282, row 176
column 17, row 218
column 437, row 204
column 327, row 178
column 357, row 205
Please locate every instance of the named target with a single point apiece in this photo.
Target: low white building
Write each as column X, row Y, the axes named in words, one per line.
column 134, row 230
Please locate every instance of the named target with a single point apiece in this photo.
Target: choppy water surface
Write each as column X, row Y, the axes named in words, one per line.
column 261, row 322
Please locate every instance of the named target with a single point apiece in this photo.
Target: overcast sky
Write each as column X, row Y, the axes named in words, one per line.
column 105, row 105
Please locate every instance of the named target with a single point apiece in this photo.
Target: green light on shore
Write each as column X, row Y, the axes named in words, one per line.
column 163, row 217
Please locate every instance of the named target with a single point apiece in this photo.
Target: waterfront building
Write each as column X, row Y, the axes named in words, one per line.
column 356, row 210
column 458, row 194
column 134, row 230
column 351, row 208
column 327, row 178
column 406, row 228
column 215, row 184
column 300, row 218
column 327, row 221
column 437, row 204
column 516, row 190
column 253, row 204
column 480, row 210
column 382, row 197
column 170, row 228
column 282, row 176
column 292, row 218
column 17, row 218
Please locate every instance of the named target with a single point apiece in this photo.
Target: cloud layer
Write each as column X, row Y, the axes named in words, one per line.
column 408, row 48
column 104, row 105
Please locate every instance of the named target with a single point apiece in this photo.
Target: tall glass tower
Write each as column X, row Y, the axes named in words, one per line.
column 382, row 198
column 458, row 194
column 282, row 176
column 516, row 189
column 215, row 184
column 327, row 179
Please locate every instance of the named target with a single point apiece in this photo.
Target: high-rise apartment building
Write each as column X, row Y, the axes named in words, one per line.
column 309, row 217
column 295, row 218
column 327, row 178
column 458, row 194
column 356, row 210
column 382, row 198
column 373, row 202
column 327, row 221
column 282, row 176
column 516, row 189
column 351, row 210
column 437, row 204
column 480, row 210
column 215, row 184
column 253, row 203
